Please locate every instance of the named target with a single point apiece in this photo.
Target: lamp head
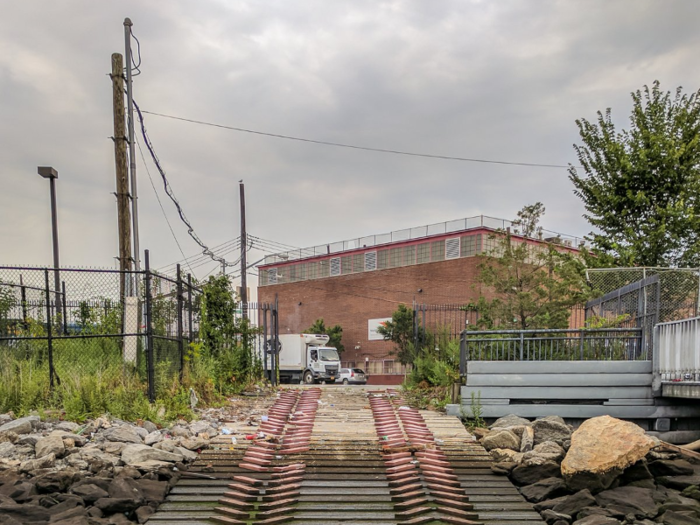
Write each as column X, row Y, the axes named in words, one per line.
column 47, row 172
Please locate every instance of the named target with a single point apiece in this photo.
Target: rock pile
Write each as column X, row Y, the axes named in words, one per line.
column 605, row 473
column 103, row 472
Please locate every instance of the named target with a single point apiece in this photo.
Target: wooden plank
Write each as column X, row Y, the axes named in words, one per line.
column 588, row 411
column 559, row 367
column 552, row 392
column 586, row 380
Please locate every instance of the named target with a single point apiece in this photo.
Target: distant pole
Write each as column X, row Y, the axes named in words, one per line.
column 132, row 153
column 244, row 244
column 122, row 170
column 49, row 173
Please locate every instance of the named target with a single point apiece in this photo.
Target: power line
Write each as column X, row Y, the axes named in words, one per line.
column 352, row 146
column 169, row 193
column 199, row 257
column 143, row 158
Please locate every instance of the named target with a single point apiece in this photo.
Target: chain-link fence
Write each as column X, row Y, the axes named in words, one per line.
column 679, row 289
column 66, row 325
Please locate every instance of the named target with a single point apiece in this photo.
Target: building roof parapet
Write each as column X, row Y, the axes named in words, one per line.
column 409, row 234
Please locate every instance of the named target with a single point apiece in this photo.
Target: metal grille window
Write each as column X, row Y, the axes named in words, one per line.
column 357, row 263
column 394, row 257
column 382, row 259
column 293, row 270
column 423, row 255
column 346, row 264
column 335, row 266
column 370, row 261
column 311, row 270
column 438, row 250
column 323, row 269
column 272, row 276
column 409, row 255
column 468, row 248
column 452, row 248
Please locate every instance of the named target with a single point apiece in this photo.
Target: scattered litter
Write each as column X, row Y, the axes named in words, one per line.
column 226, row 431
column 263, row 419
column 234, row 440
column 404, row 408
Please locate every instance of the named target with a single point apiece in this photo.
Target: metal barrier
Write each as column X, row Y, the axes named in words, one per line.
column 616, row 344
column 677, row 350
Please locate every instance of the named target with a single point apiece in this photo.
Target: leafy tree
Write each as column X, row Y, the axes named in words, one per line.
column 641, row 186
column 535, row 285
column 335, row 333
column 400, row 331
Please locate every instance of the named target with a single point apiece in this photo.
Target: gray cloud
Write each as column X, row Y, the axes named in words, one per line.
column 501, row 81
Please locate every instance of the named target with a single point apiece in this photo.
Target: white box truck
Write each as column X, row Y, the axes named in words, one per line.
column 306, row 358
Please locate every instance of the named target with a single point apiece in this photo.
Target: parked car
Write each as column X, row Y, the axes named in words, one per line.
column 351, row 376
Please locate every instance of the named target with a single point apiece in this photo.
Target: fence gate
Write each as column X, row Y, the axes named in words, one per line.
column 450, row 319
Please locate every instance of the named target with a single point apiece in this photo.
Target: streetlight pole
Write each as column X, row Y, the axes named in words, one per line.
column 50, row 173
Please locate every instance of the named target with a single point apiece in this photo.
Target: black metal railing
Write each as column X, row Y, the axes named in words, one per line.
column 605, row 344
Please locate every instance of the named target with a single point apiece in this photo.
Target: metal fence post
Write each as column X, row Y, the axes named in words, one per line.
column 463, row 354
column 264, row 346
column 190, row 335
column 23, row 291
column 580, row 343
column 522, row 345
column 180, row 304
column 49, row 333
column 150, row 370
column 65, row 311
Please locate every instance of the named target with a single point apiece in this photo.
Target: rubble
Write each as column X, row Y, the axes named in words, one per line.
column 104, row 471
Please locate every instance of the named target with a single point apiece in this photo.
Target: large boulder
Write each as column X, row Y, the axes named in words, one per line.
column 546, row 451
column 629, row 500
column 529, row 474
column 601, row 448
column 50, row 445
column 122, row 434
column 548, row 488
column 594, row 519
column 551, row 428
column 134, row 454
column 570, row 505
column 501, row 439
column 23, row 425
column 511, row 421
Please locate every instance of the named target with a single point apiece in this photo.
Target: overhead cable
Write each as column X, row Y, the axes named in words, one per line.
column 161, row 207
column 169, row 192
column 352, row 146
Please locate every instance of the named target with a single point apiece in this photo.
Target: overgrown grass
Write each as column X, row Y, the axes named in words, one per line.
column 93, row 379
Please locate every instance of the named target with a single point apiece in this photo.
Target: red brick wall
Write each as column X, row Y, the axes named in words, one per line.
column 351, row 300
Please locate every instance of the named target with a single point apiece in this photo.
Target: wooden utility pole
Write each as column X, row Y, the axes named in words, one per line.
column 120, row 140
column 244, row 263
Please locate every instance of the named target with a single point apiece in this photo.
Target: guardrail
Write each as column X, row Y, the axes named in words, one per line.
column 596, row 344
column 677, row 350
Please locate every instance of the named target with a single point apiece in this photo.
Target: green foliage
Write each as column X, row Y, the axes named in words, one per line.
column 474, row 419
column 437, row 364
column 400, row 331
column 335, row 333
column 641, row 186
column 535, row 285
column 227, row 339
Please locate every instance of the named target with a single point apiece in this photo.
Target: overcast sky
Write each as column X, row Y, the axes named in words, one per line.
column 491, row 80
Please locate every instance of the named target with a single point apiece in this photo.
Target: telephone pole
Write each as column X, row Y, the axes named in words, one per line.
column 132, row 153
column 120, row 140
column 244, row 264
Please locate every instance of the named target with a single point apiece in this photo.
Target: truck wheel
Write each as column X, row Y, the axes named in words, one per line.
column 345, row 381
column 308, row 378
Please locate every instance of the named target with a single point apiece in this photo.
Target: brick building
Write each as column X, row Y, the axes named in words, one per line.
column 359, row 283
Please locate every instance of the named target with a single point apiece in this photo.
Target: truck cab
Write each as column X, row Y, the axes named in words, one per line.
column 306, row 358
column 323, row 363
